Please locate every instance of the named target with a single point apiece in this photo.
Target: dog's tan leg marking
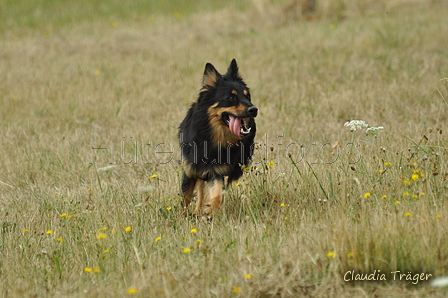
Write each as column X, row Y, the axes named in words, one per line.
column 200, row 202
column 214, row 189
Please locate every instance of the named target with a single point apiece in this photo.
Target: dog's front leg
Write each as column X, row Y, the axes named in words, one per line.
column 200, row 200
column 214, row 188
column 188, row 185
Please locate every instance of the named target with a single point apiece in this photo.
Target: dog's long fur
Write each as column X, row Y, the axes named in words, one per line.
column 216, row 138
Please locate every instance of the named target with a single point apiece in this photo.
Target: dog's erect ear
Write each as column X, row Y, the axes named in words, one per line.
column 232, row 72
column 211, row 76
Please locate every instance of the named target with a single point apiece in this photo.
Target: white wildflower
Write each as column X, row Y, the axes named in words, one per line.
column 360, row 124
column 374, row 130
column 356, row 124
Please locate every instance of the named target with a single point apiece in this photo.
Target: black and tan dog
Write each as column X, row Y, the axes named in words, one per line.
column 216, row 138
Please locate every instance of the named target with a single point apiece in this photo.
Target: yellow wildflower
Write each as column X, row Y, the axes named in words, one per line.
column 101, row 236
column 132, row 291
column 247, row 276
column 128, row 229
column 157, row 239
column 186, row 250
column 366, row 195
column 407, row 214
column 236, row 290
column 331, row 254
column 271, row 163
column 87, row 269
column 193, row 231
column 49, row 232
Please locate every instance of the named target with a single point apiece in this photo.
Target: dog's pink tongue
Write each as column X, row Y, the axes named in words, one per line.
column 235, row 125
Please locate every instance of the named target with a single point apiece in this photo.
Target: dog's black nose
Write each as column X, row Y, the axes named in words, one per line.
column 253, row 111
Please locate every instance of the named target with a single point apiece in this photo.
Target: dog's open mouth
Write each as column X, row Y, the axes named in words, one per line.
column 238, row 126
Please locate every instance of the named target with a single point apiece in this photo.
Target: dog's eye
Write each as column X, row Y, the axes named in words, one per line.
column 231, row 98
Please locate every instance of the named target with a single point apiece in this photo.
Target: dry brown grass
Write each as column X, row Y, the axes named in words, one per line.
column 287, row 230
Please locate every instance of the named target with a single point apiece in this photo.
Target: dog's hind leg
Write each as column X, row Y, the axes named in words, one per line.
column 200, row 202
column 214, row 188
column 188, row 185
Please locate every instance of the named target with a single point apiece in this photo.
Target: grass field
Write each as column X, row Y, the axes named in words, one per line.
column 92, row 93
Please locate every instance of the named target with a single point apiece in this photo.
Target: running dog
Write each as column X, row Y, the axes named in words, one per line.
column 216, row 138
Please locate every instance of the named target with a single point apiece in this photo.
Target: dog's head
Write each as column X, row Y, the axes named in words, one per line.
column 231, row 112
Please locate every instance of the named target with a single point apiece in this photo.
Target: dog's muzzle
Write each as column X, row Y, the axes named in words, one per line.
column 240, row 125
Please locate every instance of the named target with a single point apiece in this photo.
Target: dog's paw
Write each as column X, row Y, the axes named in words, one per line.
column 207, row 214
column 207, row 218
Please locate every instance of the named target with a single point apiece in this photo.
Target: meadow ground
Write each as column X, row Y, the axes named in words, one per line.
column 92, row 93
